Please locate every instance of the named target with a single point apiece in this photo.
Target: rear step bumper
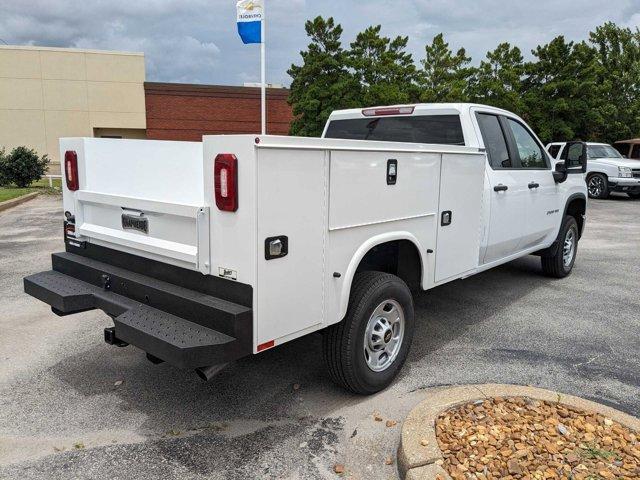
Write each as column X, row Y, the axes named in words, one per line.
column 185, row 328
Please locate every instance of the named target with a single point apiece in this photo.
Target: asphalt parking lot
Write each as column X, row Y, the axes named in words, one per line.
column 64, row 412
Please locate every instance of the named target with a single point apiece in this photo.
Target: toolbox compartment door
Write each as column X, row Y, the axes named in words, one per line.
column 291, row 202
column 460, row 215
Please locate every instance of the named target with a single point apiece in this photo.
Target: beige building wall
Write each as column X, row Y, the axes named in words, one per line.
column 48, row 93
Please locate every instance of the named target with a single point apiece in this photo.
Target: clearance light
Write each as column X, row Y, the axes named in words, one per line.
column 266, row 346
column 381, row 112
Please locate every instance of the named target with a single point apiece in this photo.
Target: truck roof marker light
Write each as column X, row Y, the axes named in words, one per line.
column 381, row 112
column 267, row 345
column 225, row 179
column 71, row 170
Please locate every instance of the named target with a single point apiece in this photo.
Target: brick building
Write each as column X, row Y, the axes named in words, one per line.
column 187, row 112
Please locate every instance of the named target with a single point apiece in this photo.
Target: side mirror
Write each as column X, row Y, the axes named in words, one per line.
column 576, row 158
column 560, row 173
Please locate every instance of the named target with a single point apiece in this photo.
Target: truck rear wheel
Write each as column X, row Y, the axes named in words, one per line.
column 366, row 350
column 561, row 264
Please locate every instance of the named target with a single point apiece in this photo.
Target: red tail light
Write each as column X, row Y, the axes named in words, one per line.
column 71, row 170
column 226, row 182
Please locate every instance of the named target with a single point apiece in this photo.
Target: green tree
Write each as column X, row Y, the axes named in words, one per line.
column 561, row 91
column 498, row 79
column 618, row 55
column 23, row 166
column 445, row 75
column 385, row 71
column 323, row 82
column 3, row 176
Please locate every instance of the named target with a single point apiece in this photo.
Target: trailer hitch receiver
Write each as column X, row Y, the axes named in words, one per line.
column 111, row 339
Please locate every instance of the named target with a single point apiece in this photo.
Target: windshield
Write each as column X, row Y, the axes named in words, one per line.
column 602, row 151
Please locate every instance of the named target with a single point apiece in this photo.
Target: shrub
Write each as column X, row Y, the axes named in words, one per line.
column 23, row 166
column 3, row 159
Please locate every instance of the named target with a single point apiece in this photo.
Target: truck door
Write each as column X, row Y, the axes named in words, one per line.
column 508, row 189
column 542, row 207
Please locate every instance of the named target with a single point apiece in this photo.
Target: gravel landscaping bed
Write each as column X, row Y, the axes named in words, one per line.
column 521, row 438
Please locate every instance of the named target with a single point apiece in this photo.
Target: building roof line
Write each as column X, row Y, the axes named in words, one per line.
column 70, row 50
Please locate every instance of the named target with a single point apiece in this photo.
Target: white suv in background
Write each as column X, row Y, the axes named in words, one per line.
column 607, row 170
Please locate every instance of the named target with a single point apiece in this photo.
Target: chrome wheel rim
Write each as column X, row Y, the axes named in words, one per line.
column 596, row 186
column 569, row 248
column 384, row 335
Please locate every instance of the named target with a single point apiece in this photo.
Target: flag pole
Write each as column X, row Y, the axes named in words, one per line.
column 263, row 72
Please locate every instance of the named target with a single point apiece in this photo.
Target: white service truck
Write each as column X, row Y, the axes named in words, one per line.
column 203, row 253
column 608, row 171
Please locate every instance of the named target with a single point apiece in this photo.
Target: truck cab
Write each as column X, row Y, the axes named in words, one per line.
column 205, row 252
column 521, row 201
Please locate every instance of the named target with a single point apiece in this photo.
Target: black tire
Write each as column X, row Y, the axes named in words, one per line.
column 555, row 265
column 598, row 186
column 634, row 195
column 343, row 343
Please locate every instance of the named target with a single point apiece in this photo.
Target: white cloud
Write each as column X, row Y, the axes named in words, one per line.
column 196, row 40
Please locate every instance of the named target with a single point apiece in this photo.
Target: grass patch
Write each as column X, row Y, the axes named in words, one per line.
column 11, row 193
column 592, row 452
column 42, row 186
column 44, row 183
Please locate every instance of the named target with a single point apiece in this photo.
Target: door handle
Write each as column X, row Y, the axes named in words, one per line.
column 533, row 185
column 500, row 188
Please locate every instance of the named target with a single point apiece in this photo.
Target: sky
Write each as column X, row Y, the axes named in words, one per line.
column 195, row 41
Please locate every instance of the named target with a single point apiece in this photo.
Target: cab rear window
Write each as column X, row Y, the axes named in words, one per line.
column 439, row 129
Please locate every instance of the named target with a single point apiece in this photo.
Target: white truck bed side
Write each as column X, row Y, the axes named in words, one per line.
column 304, row 189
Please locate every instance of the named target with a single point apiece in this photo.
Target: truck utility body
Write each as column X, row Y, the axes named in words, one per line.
column 206, row 252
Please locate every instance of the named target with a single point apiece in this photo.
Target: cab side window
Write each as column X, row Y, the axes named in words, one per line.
column 554, row 150
column 531, row 153
column 635, row 151
column 494, row 141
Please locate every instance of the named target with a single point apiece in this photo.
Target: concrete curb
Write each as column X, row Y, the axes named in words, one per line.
column 17, row 201
column 419, row 456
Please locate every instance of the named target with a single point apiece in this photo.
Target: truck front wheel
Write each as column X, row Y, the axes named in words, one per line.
column 598, row 186
column 561, row 263
column 366, row 350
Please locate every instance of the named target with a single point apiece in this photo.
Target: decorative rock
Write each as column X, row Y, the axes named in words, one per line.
column 522, row 438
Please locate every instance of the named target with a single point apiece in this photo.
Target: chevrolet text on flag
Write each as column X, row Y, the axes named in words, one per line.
column 252, row 29
column 250, row 18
